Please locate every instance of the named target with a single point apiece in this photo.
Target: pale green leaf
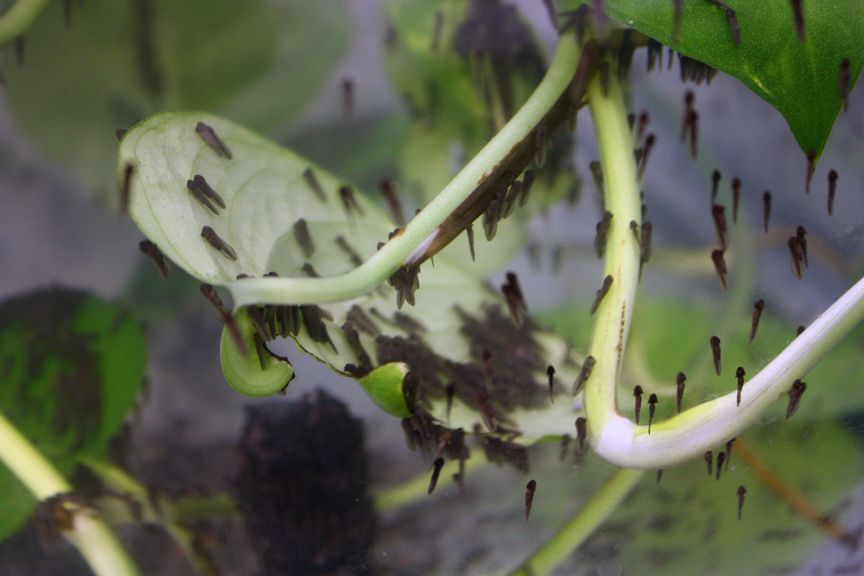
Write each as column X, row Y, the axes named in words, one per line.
column 442, row 339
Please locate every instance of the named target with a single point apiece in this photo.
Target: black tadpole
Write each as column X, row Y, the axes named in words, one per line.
column 832, row 190
column 719, row 260
column 156, row 257
column 686, row 116
column 795, row 394
column 721, row 458
column 645, row 245
column 314, row 184
column 729, row 445
column 715, row 352
column 584, row 374
column 758, row 307
column 798, row 13
column 212, row 238
column 694, row 134
column 349, row 202
column 201, row 196
column 126, row 189
column 801, row 233
column 530, row 489
column 741, row 492
column 436, row 472
column 512, row 292
column 304, row 238
column 796, row 252
column 652, row 406
column 209, row 136
column 718, row 211
column 642, row 125
column 766, row 209
column 715, row 183
column 388, row 190
column 347, row 89
column 637, row 394
column 601, row 293
column 550, row 373
column 680, row 380
column 581, row 432
column 736, row 198
column 811, row 168
column 602, row 234
column 844, row 81
column 650, row 141
column 210, row 294
column 565, row 444
column 709, row 461
column 739, row 375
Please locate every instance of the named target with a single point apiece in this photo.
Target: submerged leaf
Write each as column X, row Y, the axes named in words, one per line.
column 73, row 367
column 458, row 334
column 256, row 61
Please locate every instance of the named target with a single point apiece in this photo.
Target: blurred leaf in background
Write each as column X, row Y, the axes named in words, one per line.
column 688, row 522
column 258, row 62
column 72, row 367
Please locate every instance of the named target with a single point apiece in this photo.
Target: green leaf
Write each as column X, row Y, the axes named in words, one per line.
column 801, row 80
column 668, row 337
column 384, row 386
column 73, row 367
column 687, row 524
column 258, row 62
column 442, row 339
column 243, row 369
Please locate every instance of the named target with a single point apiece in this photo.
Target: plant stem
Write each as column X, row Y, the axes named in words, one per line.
column 711, row 423
column 621, row 194
column 586, row 521
column 87, row 531
column 18, row 18
column 424, row 228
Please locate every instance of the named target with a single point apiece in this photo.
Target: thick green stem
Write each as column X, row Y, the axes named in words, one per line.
column 712, row 423
column 87, row 531
column 586, row 521
column 423, row 229
column 18, row 18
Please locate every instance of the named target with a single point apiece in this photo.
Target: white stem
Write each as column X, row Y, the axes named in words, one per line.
column 711, row 424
